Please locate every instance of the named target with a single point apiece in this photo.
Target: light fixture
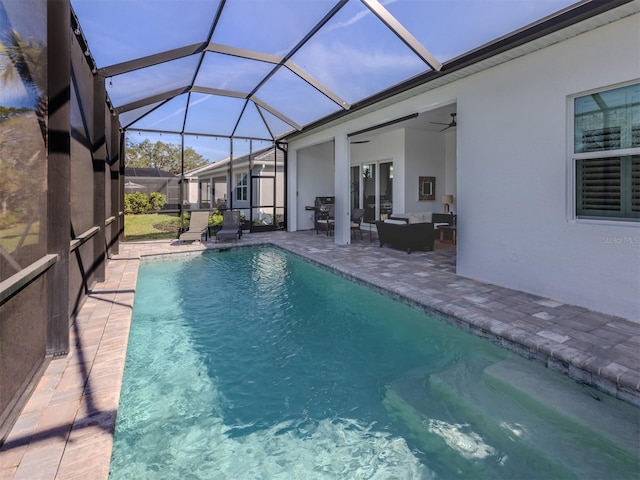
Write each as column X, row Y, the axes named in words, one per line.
column 446, row 200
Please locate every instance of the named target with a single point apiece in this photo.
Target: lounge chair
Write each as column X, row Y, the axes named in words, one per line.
column 198, row 226
column 231, row 226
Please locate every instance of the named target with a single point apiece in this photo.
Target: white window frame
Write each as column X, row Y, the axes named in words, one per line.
column 572, row 158
column 241, row 186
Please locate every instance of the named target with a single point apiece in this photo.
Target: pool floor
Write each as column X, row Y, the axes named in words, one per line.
column 256, row 364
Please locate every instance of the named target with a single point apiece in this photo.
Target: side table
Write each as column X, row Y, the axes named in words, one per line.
column 448, row 237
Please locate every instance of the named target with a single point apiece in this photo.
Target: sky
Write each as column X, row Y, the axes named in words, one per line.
column 354, row 56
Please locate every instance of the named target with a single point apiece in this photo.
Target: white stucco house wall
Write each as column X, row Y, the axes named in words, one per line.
column 510, row 163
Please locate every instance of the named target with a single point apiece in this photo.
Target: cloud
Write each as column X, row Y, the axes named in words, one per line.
column 356, row 18
column 354, row 74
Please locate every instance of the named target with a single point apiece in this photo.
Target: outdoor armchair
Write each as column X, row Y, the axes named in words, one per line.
column 356, row 220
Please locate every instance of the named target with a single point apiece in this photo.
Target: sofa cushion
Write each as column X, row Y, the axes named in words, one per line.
column 426, row 216
column 415, row 217
column 394, row 221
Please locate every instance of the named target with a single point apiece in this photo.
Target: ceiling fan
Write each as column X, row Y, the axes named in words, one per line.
column 453, row 123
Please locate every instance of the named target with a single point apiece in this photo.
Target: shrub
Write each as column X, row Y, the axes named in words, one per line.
column 157, row 200
column 136, row 203
column 216, row 218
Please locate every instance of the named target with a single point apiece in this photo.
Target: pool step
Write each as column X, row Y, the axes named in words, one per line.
column 514, row 416
column 600, row 413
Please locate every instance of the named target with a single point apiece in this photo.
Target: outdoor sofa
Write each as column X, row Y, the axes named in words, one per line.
column 411, row 231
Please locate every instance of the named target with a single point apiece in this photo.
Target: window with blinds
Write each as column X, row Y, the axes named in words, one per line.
column 608, row 187
column 607, row 184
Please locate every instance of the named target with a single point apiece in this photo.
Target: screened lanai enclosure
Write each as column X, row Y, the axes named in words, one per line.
column 83, row 83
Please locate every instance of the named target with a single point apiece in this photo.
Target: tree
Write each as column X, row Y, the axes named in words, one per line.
column 26, row 61
column 164, row 156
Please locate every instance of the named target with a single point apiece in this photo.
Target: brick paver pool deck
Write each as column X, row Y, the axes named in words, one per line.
column 66, row 429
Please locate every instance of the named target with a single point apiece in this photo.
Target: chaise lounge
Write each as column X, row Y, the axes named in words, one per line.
column 198, row 226
column 231, row 226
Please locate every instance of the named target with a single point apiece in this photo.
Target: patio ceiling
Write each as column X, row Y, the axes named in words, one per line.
column 263, row 69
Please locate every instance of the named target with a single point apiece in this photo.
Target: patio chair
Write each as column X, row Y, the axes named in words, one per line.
column 327, row 221
column 231, row 226
column 198, row 226
column 356, row 220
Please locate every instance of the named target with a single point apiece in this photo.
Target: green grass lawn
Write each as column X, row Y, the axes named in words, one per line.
column 9, row 237
column 152, row 226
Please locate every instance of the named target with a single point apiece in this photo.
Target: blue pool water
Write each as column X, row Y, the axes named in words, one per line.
column 252, row 364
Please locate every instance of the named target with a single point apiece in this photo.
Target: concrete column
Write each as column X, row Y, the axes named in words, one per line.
column 292, row 190
column 341, row 183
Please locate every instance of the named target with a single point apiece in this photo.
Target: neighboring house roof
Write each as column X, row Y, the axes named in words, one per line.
column 146, row 172
column 221, row 166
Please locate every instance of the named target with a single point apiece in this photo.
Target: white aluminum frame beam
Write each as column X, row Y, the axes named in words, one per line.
column 403, row 34
column 168, row 95
column 276, row 60
column 243, row 53
column 317, row 85
column 150, row 60
column 143, row 102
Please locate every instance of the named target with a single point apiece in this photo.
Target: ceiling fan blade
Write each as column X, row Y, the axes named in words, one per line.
column 439, row 123
column 359, row 141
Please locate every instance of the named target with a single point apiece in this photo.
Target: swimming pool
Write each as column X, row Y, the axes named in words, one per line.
column 255, row 364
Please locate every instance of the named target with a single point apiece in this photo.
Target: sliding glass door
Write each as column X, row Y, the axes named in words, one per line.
column 372, row 189
column 385, row 198
column 369, row 192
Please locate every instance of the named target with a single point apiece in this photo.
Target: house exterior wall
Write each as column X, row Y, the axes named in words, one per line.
column 513, row 189
column 426, row 156
column 514, row 184
column 191, row 192
column 314, row 179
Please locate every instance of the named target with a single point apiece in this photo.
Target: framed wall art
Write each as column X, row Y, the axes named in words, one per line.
column 426, row 188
